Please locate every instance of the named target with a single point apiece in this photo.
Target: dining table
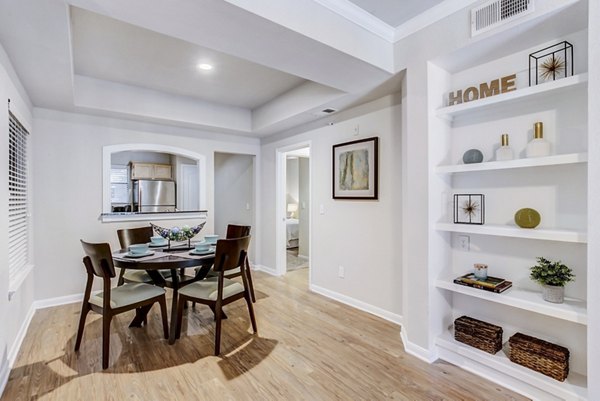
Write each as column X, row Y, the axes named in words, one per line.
column 176, row 259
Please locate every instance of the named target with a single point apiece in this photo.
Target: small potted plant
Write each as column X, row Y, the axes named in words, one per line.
column 552, row 276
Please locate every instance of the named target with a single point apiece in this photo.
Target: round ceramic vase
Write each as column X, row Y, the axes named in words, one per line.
column 472, row 156
column 527, row 218
column 553, row 293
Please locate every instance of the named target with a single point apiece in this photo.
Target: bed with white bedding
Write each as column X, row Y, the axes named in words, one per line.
column 292, row 233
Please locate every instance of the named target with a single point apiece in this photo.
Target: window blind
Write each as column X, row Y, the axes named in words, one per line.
column 18, row 227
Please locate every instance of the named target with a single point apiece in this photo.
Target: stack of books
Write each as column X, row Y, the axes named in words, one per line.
column 493, row 284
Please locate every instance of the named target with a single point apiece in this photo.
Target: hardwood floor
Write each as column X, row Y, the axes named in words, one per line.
column 308, row 348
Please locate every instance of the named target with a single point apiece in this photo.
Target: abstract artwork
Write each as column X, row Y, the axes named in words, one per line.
column 355, row 167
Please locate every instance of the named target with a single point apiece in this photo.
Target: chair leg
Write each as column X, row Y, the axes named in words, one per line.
column 218, row 309
column 179, row 321
column 105, row 340
column 84, row 311
column 163, row 312
column 121, row 278
column 250, row 284
column 251, row 311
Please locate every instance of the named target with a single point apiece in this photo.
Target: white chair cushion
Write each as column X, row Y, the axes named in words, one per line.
column 128, row 294
column 208, row 289
column 140, row 276
column 137, row 276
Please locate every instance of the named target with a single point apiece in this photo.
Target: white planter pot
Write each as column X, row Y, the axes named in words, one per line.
column 553, row 293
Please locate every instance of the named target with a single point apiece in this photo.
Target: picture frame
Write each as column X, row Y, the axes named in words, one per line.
column 355, row 169
column 469, row 209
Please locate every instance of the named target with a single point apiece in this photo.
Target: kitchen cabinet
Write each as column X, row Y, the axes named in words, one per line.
column 151, row 171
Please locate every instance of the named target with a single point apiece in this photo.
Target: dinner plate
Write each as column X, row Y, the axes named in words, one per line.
column 138, row 255
column 208, row 251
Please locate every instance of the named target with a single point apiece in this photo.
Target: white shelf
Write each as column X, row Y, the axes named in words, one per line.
column 516, row 232
column 572, row 310
column 573, row 388
column 570, row 158
column 528, row 93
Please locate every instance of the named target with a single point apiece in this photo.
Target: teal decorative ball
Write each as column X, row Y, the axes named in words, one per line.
column 472, row 156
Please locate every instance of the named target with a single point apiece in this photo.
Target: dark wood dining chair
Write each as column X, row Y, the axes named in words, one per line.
column 130, row 236
column 236, row 231
column 219, row 291
column 113, row 301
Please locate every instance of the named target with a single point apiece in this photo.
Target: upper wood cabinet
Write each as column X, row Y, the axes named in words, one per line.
column 151, row 171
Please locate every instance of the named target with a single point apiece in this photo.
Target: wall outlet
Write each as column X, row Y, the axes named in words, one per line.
column 341, row 272
column 321, row 209
column 247, row 206
column 464, row 242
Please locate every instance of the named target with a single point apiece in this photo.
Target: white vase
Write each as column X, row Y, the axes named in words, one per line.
column 553, row 293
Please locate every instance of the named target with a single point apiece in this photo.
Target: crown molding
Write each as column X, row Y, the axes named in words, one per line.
column 360, row 17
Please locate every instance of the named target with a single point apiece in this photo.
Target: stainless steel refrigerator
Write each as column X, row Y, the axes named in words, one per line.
column 154, row 196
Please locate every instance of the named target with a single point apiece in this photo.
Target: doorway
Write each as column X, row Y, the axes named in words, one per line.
column 294, row 202
column 234, row 180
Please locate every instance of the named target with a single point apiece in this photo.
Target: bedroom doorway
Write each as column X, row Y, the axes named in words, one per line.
column 293, row 253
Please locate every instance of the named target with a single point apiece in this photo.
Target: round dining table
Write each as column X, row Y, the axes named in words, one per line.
column 177, row 261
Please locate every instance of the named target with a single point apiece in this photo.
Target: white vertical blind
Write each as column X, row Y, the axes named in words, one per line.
column 18, row 227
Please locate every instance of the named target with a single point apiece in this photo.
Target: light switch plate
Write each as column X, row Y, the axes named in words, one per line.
column 464, row 243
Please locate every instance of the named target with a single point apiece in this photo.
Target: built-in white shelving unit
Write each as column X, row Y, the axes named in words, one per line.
column 526, row 94
column 555, row 185
column 515, row 232
column 572, row 310
column 554, row 160
column 574, row 388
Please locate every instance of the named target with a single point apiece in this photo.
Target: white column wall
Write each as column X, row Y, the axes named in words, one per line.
column 593, row 278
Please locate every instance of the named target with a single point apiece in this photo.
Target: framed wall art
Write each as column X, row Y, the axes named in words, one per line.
column 469, row 209
column 355, row 169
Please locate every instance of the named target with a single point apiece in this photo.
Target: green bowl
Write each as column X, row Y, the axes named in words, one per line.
column 527, row 218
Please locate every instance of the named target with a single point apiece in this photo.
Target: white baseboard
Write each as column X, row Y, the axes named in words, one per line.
column 355, row 303
column 16, row 346
column 64, row 300
column 416, row 350
column 266, row 269
column 4, row 372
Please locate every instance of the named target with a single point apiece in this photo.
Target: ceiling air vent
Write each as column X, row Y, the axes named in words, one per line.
column 493, row 14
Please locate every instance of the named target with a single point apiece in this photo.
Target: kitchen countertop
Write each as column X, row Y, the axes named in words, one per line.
column 147, row 216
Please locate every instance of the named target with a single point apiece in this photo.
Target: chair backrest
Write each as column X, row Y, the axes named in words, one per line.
column 130, row 236
column 235, row 231
column 231, row 253
column 100, row 257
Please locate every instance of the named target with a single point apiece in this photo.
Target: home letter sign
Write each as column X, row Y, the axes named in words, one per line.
column 495, row 87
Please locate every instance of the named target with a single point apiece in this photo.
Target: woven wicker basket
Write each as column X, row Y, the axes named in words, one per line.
column 539, row 355
column 479, row 334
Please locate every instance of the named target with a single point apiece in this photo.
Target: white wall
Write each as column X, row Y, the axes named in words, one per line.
column 303, row 206
column 14, row 312
column 68, row 175
column 593, row 204
column 363, row 236
column 234, row 190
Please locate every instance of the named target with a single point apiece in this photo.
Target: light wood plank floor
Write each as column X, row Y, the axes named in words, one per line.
column 308, row 348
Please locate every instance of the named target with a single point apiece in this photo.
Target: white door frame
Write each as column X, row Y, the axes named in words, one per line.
column 281, row 210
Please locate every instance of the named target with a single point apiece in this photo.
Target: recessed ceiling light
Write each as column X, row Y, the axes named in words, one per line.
column 205, row 67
